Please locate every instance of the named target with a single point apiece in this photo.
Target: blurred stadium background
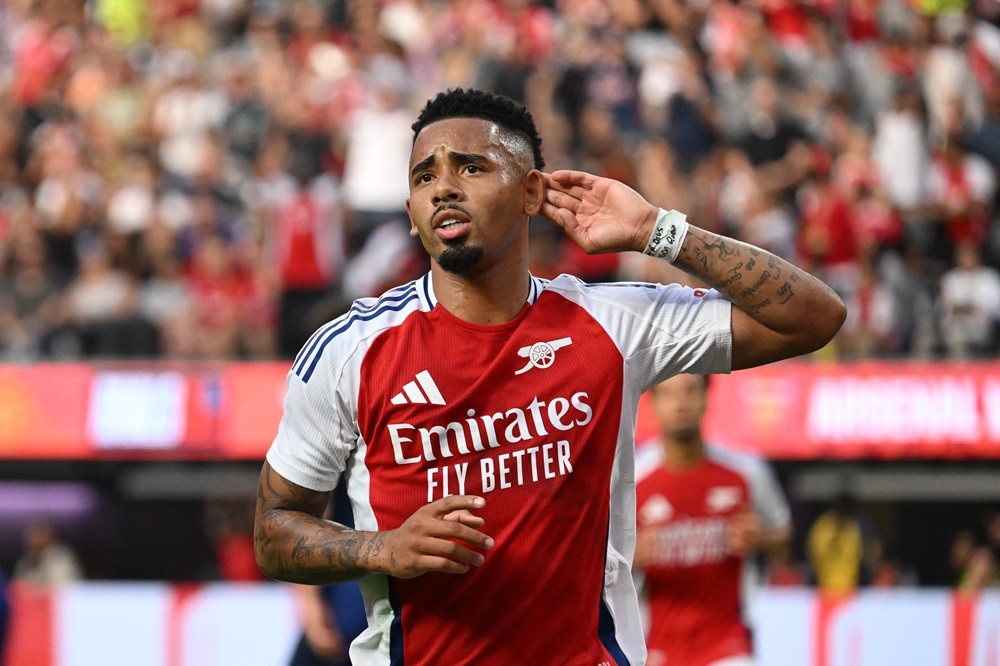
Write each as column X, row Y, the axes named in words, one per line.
column 189, row 187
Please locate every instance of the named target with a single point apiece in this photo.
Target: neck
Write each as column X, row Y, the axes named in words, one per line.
column 494, row 296
column 683, row 453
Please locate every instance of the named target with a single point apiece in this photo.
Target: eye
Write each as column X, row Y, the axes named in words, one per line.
column 424, row 177
column 472, row 168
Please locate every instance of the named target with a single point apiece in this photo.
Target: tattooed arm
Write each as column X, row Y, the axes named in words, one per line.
column 779, row 311
column 293, row 542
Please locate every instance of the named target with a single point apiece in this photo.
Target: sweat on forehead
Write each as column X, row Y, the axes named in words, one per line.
column 515, row 144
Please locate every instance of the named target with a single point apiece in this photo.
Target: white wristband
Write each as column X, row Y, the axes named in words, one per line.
column 668, row 234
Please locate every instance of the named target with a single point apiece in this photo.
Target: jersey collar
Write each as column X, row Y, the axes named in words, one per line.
column 425, row 290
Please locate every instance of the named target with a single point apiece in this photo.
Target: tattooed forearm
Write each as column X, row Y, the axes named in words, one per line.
column 702, row 258
column 755, row 287
column 765, row 286
column 735, row 275
column 785, row 293
column 294, row 543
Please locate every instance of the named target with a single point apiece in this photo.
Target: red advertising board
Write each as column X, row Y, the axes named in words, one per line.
column 130, row 411
column 44, row 411
column 867, row 410
column 790, row 410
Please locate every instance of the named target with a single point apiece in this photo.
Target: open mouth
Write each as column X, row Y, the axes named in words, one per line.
column 452, row 229
column 451, row 223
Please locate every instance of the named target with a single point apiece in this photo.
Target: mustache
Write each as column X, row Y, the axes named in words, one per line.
column 449, row 206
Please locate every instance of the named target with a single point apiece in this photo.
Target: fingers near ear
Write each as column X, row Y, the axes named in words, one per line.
column 567, row 178
column 554, row 213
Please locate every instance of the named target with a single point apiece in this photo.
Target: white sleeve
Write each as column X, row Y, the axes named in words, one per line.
column 691, row 332
column 766, row 497
column 663, row 330
column 768, row 500
column 317, row 434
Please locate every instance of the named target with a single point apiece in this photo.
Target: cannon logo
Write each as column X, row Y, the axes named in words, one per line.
column 541, row 354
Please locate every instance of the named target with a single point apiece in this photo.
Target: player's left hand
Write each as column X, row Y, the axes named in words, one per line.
column 466, row 518
column 743, row 534
column 599, row 214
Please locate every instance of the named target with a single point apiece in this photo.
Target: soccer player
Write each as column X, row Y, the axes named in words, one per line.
column 701, row 511
column 483, row 418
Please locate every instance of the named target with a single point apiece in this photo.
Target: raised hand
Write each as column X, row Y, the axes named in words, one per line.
column 437, row 537
column 599, row 214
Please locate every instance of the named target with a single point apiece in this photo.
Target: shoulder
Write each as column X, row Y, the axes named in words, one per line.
column 624, row 292
column 747, row 465
column 648, row 459
column 366, row 318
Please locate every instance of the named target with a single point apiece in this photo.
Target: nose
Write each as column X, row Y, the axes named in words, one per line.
column 447, row 189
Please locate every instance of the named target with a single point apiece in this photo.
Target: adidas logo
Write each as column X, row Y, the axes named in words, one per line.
column 420, row 391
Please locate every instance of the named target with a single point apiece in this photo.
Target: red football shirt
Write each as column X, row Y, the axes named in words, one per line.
column 693, row 584
column 411, row 404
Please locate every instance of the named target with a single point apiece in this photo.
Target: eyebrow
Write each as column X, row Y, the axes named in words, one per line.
column 461, row 158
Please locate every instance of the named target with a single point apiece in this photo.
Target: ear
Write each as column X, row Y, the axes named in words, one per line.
column 409, row 213
column 534, row 192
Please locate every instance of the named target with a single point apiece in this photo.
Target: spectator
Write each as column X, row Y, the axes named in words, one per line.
column 246, row 123
column 221, row 291
column 306, row 238
column 899, row 150
column 185, row 113
column 827, row 240
column 837, row 547
column 46, row 560
column 970, row 305
column 165, row 302
column 100, row 310
column 915, row 287
column 376, row 164
column 193, row 115
column 29, row 296
column 871, row 329
column 962, row 547
column 770, row 134
column 960, row 191
column 980, row 571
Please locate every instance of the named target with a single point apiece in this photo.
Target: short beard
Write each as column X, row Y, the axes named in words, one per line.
column 460, row 259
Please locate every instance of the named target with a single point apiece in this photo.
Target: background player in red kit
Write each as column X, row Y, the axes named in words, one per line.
column 701, row 511
column 483, row 418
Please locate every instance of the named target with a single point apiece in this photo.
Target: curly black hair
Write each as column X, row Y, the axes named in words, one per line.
column 472, row 103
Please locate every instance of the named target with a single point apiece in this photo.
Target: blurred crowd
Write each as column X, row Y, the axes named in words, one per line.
column 215, row 178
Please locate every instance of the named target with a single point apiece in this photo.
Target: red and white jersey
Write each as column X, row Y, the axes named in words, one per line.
column 536, row 415
column 694, row 588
